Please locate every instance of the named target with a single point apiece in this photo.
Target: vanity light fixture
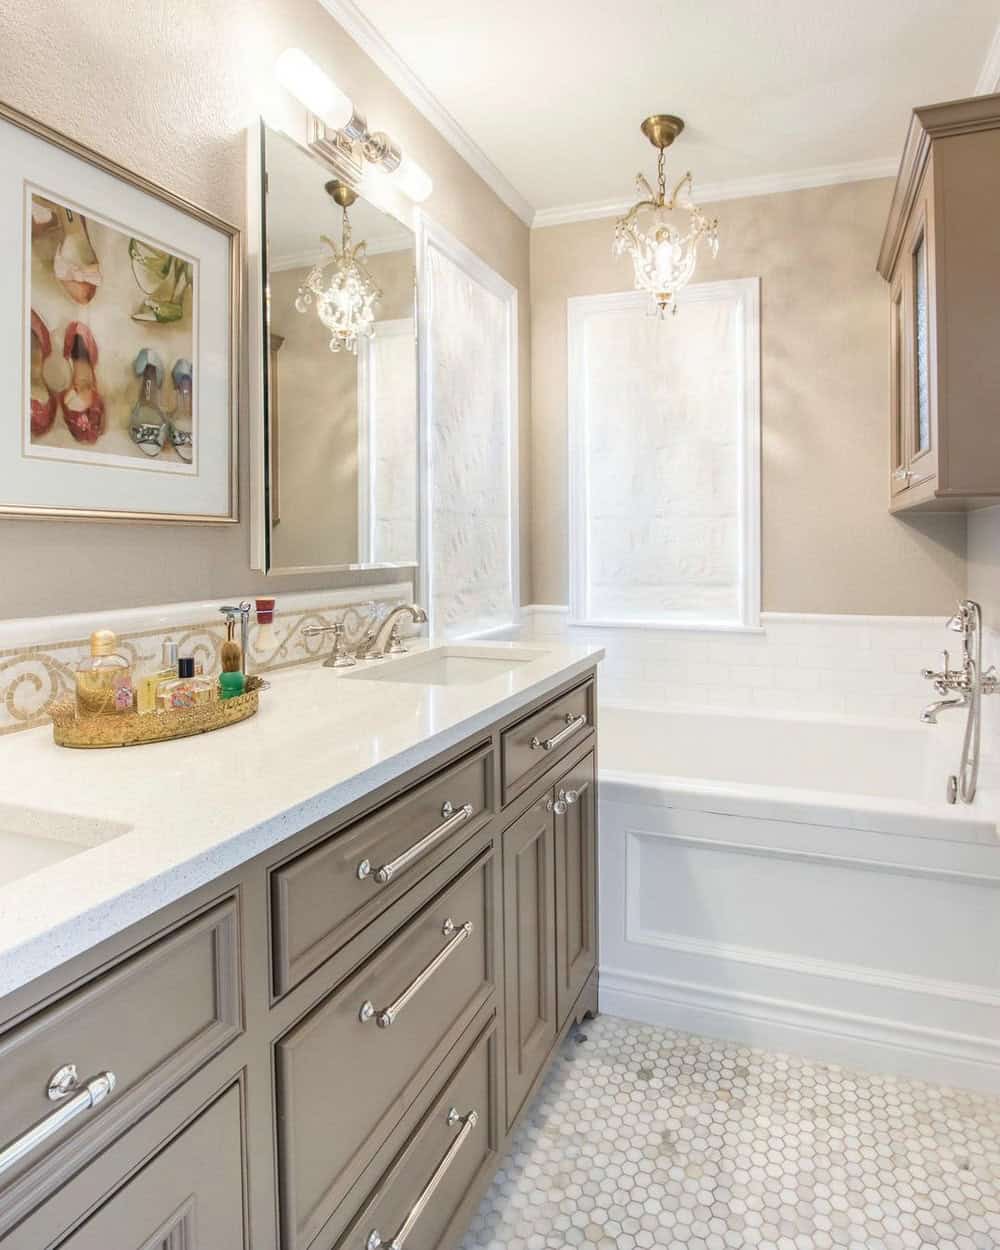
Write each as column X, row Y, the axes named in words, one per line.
column 664, row 254
column 340, row 286
column 321, row 96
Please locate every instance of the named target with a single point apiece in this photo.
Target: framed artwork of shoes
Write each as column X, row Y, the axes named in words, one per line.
column 119, row 322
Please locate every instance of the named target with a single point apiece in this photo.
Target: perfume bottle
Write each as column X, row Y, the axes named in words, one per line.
column 104, row 679
column 187, row 690
column 146, row 688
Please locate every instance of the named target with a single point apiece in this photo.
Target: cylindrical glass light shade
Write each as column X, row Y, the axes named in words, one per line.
column 412, row 180
column 313, row 88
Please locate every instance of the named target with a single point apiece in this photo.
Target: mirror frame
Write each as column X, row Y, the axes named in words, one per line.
column 320, row 145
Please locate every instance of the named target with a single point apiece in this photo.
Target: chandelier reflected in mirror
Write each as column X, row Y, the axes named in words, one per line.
column 340, row 285
column 662, row 235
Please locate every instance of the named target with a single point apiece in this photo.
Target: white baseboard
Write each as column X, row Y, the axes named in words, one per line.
column 866, row 1042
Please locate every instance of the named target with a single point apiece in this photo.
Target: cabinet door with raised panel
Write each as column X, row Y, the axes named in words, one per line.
column 529, row 948
column 188, row 1197
column 576, row 883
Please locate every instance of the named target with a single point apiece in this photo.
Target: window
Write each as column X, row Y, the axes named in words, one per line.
column 664, row 424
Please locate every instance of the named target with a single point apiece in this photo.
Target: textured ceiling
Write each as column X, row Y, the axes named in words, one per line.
column 553, row 91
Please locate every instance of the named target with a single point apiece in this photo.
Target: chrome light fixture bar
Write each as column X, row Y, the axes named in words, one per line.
column 664, row 254
column 321, row 96
column 340, row 286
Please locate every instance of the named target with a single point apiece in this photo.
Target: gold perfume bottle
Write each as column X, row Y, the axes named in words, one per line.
column 104, row 679
column 187, row 690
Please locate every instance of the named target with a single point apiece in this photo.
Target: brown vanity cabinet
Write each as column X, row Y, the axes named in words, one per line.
column 529, row 905
column 940, row 256
column 550, row 921
column 309, row 1053
column 392, row 1023
column 423, row 1194
column 576, row 883
column 188, row 1197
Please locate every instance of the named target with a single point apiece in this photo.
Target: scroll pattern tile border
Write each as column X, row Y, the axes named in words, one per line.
column 33, row 676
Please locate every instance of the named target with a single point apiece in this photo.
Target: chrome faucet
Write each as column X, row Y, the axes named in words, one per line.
column 964, row 687
column 930, row 713
column 382, row 637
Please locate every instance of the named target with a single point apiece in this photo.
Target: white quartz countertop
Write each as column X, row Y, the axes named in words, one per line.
column 159, row 821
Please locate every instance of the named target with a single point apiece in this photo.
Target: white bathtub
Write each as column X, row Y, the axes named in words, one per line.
column 800, row 883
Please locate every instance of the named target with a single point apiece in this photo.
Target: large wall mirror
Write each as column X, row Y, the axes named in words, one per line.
column 335, row 408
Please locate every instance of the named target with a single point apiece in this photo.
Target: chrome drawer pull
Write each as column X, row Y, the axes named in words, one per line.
column 573, row 723
column 375, row 1241
column 92, row 1092
column 452, row 819
column 386, row 1017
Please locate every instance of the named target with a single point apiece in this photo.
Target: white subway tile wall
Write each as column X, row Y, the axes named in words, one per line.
column 825, row 665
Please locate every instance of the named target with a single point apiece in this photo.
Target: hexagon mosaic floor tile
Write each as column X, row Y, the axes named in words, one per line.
column 647, row 1139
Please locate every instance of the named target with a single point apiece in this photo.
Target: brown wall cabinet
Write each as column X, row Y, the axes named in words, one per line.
column 312, row 1053
column 940, row 256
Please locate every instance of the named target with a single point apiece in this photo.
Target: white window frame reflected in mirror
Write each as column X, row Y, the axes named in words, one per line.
column 584, row 312
column 461, row 585
column 403, row 328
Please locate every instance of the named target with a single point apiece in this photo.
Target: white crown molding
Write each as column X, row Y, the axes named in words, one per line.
column 365, row 35
column 402, row 242
column 734, row 189
column 989, row 75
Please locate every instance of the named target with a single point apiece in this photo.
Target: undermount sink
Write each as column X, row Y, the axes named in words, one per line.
column 445, row 666
column 32, row 839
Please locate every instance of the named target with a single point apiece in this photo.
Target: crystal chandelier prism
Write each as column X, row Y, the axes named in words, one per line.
column 340, row 285
column 661, row 241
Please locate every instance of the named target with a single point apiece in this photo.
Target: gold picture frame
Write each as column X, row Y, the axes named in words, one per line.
column 189, row 478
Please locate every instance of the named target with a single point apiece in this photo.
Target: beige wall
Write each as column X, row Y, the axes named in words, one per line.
column 167, row 87
column 984, row 563
column 829, row 545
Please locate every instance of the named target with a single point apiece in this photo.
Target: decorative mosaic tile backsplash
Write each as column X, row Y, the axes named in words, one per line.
column 38, row 658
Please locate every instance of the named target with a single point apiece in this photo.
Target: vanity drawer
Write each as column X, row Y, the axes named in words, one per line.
column 346, row 1073
column 531, row 746
column 325, row 896
column 453, row 1147
column 152, row 1020
column 189, row 1196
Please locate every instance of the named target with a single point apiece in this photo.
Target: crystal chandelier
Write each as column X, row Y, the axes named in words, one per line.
column 663, row 253
column 341, row 287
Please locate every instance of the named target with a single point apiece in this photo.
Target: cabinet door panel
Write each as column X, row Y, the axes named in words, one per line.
column 529, row 948
column 188, row 1197
column 919, row 288
column 576, row 884
column 899, row 476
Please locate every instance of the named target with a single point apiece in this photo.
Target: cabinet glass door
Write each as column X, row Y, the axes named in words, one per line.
column 899, row 477
column 920, row 433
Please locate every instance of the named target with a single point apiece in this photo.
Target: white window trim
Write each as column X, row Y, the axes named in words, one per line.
column 579, row 308
column 431, row 236
column 393, row 328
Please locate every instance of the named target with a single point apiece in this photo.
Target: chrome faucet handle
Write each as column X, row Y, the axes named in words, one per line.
column 338, row 658
column 395, row 646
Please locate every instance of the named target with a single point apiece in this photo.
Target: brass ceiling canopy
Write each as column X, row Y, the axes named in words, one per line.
column 662, row 129
column 340, row 192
